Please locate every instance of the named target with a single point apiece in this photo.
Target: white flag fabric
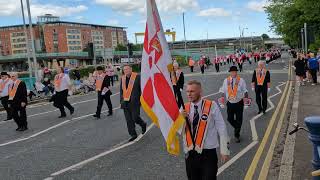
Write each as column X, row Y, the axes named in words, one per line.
column 157, row 98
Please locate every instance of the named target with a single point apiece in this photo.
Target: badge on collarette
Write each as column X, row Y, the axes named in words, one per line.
column 204, row 117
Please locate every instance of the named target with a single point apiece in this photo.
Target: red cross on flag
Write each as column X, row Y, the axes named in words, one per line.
column 157, row 98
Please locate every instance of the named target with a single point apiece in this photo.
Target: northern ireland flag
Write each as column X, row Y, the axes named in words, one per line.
column 157, row 98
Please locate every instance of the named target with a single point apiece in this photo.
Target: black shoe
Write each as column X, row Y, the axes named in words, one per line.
column 237, row 139
column 144, row 128
column 133, row 138
column 8, row 118
column 23, row 129
column 18, row 129
column 62, row 116
column 259, row 112
column 96, row 116
column 110, row 114
column 71, row 111
column 264, row 112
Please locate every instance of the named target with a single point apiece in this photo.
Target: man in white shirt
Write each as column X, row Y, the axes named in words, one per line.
column 61, row 86
column 5, row 83
column 234, row 89
column 205, row 125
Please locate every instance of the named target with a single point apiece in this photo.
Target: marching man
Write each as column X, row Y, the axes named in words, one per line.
column 217, row 63
column 202, row 64
column 261, row 85
column 18, row 102
column 204, row 132
column 130, row 92
column 5, row 83
column 191, row 64
column 234, row 89
column 62, row 85
column 104, row 93
column 178, row 83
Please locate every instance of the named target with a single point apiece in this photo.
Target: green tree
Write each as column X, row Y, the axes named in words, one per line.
column 265, row 36
column 121, row 47
column 137, row 47
column 288, row 16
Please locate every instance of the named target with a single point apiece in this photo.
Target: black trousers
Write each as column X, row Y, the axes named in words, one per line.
column 111, row 80
column 106, row 98
column 313, row 73
column 217, row 67
column 19, row 115
column 262, row 95
column 61, row 101
column 178, row 96
column 202, row 69
column 240, row 66
column 235, row 116
column 4, row 102
column 191, row 68
column 202, row 166
column 132, row 116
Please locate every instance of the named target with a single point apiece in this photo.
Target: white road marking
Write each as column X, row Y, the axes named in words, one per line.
column 252, row 121
column 50, row 128
column 211, row 95
column 254, row 135
column 236, row 157
column 82, row 163
column 221, row 169
column 47, row 112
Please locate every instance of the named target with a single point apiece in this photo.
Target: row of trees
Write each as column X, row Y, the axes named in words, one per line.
column 288, row 17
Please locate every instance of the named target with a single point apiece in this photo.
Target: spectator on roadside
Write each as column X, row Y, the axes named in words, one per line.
column 46, row 73
column 40, row 88
column 76, row 74
column 299, row 65
column 314, row 67
column 48, row 85
column 307, row 70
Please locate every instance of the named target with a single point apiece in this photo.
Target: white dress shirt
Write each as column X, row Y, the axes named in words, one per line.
column 216, row 127
column 242, row 89
column 65, row 83
column 5, row 91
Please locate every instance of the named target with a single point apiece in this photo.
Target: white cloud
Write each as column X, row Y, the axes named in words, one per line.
column 13, row 8
column 80, row 18
column 214, row 12
column 258, row 6
column 38, row 9
column 128, row 7
column 113, row 22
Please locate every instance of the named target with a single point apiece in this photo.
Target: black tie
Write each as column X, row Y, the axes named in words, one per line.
column 260, row 73
column 232, row 83
column 195, row 119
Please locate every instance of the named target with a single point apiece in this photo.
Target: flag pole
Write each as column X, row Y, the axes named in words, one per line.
column 172, row 73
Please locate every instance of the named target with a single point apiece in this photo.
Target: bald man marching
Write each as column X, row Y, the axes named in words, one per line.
column 261, row 85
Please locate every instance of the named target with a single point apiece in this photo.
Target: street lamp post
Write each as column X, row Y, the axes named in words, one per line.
column 27, row 40
column 32, row 41
column 244, row 41
column 252, row 40
column 185, row 39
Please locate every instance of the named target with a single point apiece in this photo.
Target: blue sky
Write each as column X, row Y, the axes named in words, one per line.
column 217, row 18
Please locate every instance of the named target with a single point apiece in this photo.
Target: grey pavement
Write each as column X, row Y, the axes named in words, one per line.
column 47, row 148
column 309, row 104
